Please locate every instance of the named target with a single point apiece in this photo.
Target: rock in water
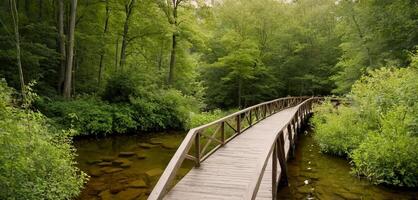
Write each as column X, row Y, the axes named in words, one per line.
column 107, row 158
column 95, row 172
column 129, row 194
column 110, row 170
column 120, row 161
column 102, row 164
column 146, row 145
column 126, row 154
column 105, row 195
column 138, row 184
column 154, row 172
column 156, row 141
column 140, row 155
column 169, row 145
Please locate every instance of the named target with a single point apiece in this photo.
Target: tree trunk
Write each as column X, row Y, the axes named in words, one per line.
column 40, row 9
column 128, row 11
column 69, row 67
column 116, row 54
column 61, row 44
column 102, row 53
column 15, row 18
column 172, row 60
column 239, row 92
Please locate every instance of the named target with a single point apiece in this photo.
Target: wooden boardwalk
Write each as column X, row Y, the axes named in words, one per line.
column 242, row 167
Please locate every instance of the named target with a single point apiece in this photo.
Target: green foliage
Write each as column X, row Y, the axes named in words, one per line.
column 198, row 119
column 90, row 115
column 338, row 131
column 36, row 159
column 379, row 130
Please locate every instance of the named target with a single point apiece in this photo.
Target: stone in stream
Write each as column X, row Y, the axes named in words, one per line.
column 138, row 184
column 169, row 145
column 92, row 162
column 110, row 170
column 120, row 161
column 107, row 158
column 146, row 145
column 154, row 172
column 126, row 154
column 129, row 194
column 140, row 155
column 156, row 141
column 103, row 164
column 95, row 172
column 126, row 165
column 116, row 187
column 105, row 195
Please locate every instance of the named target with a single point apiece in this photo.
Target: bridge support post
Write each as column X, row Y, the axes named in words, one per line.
column 292, row 139
column 282, row 161
column 197, row 149
column 274, row 172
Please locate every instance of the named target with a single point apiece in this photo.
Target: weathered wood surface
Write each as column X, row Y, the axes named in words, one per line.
column 228, row 173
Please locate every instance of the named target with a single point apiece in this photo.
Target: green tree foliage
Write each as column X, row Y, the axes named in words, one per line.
column 259, row 50
column 374, row 33
column 379, row 130
column 36, row 159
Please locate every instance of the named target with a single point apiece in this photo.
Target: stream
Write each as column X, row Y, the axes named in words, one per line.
column 125, row 167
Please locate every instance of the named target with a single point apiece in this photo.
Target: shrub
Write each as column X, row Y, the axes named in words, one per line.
column 379, row 130
column 36, row 159
column 338, row 131
column 201, row 118
column 90, row 115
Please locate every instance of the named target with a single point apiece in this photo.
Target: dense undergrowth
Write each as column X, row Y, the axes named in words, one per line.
column 125, row 106
column 378, row 132
column 36, row 159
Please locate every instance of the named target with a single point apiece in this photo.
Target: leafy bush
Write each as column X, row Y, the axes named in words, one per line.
column 90, row 115
column 36, row 159
column 379, row 130
column 198, row 119
column 163, row 109
column 338, row 131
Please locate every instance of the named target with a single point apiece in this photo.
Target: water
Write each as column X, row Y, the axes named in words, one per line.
column 328, row 177
column 131, row 176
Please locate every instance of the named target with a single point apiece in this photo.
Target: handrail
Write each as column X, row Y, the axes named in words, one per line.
column 303, row 109
column 250, row 116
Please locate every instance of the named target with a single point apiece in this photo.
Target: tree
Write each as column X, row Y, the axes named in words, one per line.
column 61, row 44
column 15, row 18
column 69, row 66
column 129, row 6
column 102, row 53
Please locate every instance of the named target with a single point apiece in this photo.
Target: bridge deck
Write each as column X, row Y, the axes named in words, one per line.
column 227, row 173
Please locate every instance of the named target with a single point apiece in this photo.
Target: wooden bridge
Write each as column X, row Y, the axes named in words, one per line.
column 241, row 156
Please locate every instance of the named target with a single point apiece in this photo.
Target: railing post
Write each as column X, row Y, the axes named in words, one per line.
column 223, row 133
column 239, row 123
column 251, row 118
column 292, row 139
column 197, row 149
column 282, row 161
column 274, row 172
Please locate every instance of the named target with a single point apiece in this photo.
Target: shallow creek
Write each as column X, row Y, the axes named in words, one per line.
column 128, row 167
column 313, row 175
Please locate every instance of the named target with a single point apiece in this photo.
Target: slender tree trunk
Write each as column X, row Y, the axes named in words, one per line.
column 160, row 55
column 102, row 53
column 117, row 54
column 69, row 67
column 40, row 9
column 128, row 11
column 27, row 7
column 15, row 18
column 172, row 59
column 61, row 44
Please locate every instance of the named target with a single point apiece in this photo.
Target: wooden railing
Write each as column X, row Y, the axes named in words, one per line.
column 277, row 151
column 198, row 143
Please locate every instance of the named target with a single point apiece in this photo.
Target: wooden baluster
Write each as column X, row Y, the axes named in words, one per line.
column 223, row 133
column 251, row 118
column 197, row 149
column 282, row 161
column 274, row 172
column 292, row 139
column 239, row 123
